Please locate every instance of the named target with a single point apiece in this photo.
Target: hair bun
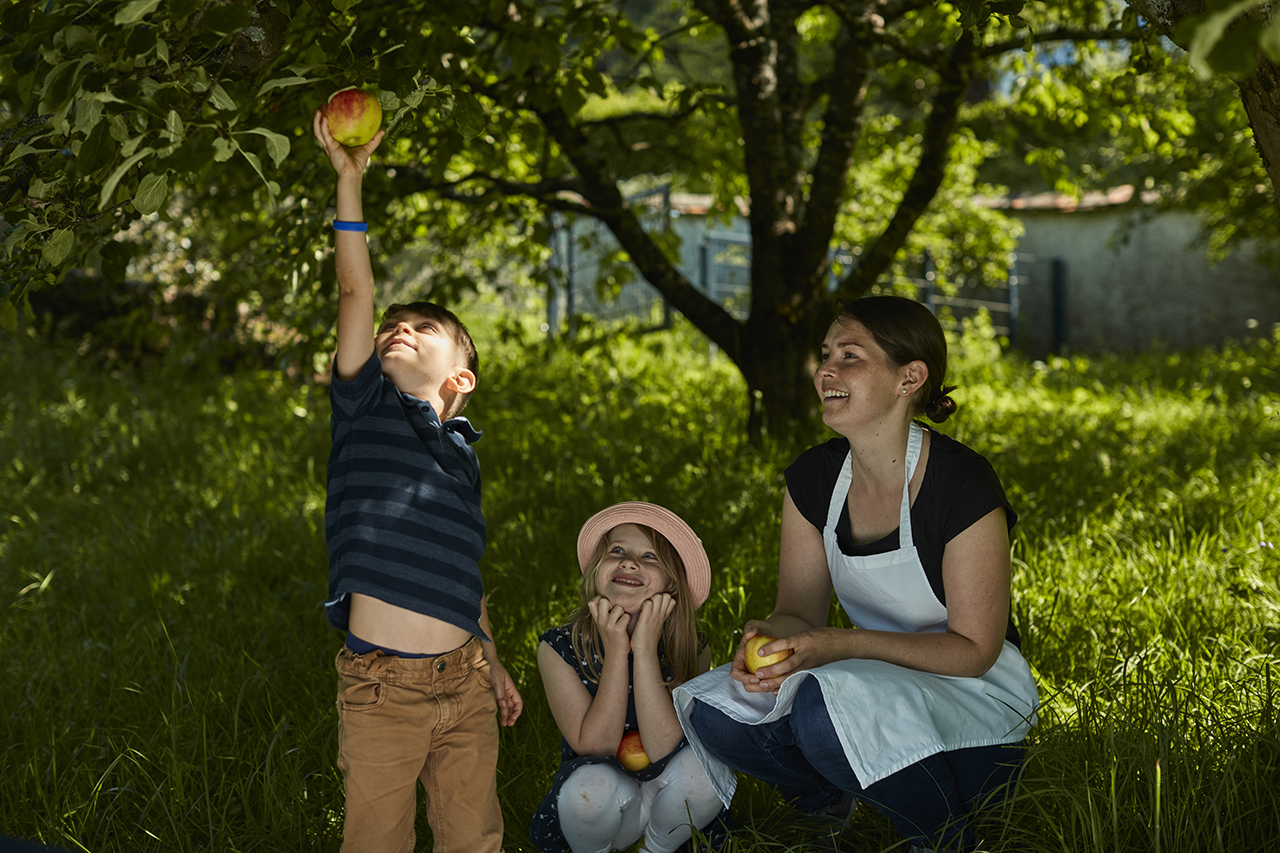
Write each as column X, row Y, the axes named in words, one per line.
column 940, row 405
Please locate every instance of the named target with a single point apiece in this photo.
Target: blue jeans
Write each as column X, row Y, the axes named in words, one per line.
column 929, row 801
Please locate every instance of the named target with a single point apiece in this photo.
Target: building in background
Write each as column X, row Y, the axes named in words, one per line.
column 1092, row 275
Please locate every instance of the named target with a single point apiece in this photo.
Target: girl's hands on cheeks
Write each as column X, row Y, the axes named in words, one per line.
column 346, row 161
column 648, row 631
column 612, row 622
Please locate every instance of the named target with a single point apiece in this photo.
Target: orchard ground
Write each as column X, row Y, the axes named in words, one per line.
column 162, row 568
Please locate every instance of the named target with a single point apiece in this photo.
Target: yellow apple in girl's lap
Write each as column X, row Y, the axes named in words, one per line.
column 631, row 752
column 753, row 659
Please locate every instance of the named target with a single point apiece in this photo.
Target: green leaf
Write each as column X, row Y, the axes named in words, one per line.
column 80, row 39
column 281, row 83
column 42, row 189
column 96, row 151
column 223, row 150
column 88, row 115
column 221, row 99
column 109, row 188
column 23, row 149
column 152, row 192
column 173, row 128
column 344, row 5
column 254, row 161
column 8, row 316
column 1209, row 31
column 468, row 115
column 57, row 247
column 58, row 86
column 135, row 11
column 277, row 145
column 18, row 237
column 1269, row 41
column 129, row 146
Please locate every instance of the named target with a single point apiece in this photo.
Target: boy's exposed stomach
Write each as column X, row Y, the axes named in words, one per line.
column 382, row 624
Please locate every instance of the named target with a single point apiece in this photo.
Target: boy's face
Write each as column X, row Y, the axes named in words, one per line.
column 416, row 350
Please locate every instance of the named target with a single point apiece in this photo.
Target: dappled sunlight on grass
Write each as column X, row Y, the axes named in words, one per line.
column 162, row 568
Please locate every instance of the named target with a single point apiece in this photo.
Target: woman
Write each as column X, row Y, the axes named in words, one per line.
column 921, row 709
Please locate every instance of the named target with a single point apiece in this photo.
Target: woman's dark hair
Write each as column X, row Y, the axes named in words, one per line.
column 907, row 331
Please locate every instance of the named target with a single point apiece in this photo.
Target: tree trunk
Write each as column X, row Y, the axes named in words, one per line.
column 1261, row 95
column 775, row 361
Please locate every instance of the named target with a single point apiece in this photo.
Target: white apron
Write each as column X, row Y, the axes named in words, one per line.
column 886, row 716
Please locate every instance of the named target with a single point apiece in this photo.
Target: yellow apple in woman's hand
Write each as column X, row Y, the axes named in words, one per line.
column 631, row 752
column 755, row 661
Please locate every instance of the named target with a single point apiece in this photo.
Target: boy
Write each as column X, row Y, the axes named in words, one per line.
column 418, row 676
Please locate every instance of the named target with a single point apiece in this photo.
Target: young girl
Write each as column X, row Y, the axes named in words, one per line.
column 609, row 671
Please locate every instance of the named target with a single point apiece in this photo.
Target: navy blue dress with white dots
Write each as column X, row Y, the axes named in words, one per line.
column 544, row 829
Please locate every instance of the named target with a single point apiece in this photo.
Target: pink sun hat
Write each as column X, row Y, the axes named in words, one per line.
column 697, row 568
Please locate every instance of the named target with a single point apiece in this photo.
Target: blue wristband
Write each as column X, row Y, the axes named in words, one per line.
column 344, row 225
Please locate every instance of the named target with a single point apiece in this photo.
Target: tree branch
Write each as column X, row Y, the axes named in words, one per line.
column 927, row 178
column 1065, row 34
column 842, row 126
column 605, row 203
column 548, row 192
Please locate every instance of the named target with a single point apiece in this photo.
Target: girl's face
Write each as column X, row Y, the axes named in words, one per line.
column 630, row 573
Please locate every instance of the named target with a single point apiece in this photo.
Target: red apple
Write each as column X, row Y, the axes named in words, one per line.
column 353, row 116
column 755, row 660
column 631, row 752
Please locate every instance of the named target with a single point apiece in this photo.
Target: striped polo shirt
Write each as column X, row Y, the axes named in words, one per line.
column 402, row 516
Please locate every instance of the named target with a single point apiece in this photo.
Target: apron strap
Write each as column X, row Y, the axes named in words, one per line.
column 840, row 494
column 915, row 441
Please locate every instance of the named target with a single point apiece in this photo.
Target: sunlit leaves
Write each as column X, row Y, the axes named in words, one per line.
column 152, row 192
column 468, row 114
column 113, row 180
column 135, row 11
column 57, row 246
column 1222, row 40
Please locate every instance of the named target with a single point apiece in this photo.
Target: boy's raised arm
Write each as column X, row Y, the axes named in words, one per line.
column 355, row 273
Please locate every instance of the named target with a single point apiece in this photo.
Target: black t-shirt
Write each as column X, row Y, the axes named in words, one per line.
column 958, row 489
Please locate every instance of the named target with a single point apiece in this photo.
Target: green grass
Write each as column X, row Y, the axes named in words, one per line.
column 162, row 569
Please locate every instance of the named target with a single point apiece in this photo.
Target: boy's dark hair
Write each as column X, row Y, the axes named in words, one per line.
column 457, row 330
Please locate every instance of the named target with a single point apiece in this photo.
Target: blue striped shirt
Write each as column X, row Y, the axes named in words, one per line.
column 402, row 516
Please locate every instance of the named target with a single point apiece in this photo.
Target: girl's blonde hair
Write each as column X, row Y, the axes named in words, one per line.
column 679, row 632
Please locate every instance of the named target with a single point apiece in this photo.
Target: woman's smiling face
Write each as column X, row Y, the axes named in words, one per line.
column 630, row 572
column 855, row 380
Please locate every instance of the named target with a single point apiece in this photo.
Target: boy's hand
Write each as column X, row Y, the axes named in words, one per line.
column 347, row 162
column 612, row 622
column 504, row 690
column 648, row 631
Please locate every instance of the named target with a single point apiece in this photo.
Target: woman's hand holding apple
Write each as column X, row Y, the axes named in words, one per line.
column 739, row 671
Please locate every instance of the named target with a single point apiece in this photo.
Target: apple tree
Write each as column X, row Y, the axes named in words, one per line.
column 168, row 141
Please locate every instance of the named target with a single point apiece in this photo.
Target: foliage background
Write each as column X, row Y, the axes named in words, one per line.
column 162, row 572
column 156, row 167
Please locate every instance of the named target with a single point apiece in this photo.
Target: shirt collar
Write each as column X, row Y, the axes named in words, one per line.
column 459, row 425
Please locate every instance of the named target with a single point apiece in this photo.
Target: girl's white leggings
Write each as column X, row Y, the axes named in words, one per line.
column 602, row 808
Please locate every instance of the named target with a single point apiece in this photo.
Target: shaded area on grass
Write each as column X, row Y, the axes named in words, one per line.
column 162, row 569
